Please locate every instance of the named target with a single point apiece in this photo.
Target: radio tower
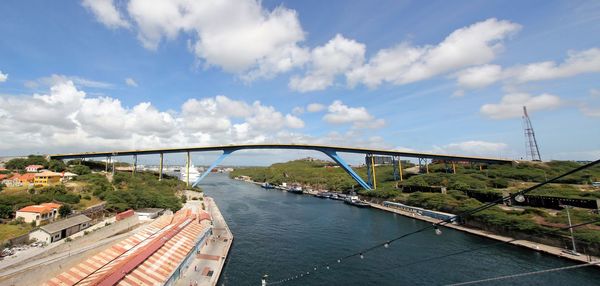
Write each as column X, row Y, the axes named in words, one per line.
column 531, row 147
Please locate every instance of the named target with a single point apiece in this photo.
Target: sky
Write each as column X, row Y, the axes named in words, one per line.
column 431, row 76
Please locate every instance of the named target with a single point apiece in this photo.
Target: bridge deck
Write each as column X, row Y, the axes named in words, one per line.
column 283, row 146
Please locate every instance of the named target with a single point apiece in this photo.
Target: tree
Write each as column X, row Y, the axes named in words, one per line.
column 57, row 165
column 80, row 170
column 64, row 210
column 16, row 164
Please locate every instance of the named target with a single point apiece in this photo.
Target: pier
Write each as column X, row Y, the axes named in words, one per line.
column 207, row 265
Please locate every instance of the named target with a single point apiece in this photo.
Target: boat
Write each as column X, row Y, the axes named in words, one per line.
column 295, row 190
column 194, row 174
column 267, row 186
column 353, row 200
column 323, row 195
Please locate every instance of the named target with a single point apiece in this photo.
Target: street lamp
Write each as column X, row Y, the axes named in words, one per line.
column 574, row 251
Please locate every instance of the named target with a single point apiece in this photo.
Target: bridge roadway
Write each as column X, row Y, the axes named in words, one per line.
column 331, row 151
column 283, row 146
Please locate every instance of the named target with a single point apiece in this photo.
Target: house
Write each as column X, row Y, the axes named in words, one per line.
column 46, row 179
column 58, row 230
column 148, row 213
column 33, row 168
column 42, row 213
column 18, row 180
column 67, row 176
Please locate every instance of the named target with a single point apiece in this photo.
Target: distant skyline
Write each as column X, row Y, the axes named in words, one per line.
column 427, row 76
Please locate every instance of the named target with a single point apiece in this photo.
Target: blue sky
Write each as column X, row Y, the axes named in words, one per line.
column 436, row 76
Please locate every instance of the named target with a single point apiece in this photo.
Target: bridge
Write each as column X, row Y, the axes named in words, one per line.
column 330, row 151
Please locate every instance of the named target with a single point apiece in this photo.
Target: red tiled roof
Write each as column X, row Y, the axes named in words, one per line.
column 51, row 205
column 47, row 174
column 36, row 209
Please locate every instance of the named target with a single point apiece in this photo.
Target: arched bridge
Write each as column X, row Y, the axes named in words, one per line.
column 331, row 151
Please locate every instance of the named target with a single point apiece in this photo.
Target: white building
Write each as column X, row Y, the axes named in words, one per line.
column 43, row 213
column 148, row 213
column 58, row 230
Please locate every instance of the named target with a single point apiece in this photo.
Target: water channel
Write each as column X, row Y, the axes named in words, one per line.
column 283, row 234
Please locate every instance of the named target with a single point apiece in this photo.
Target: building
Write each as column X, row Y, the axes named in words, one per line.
column 46, row 179
column 42, row 213
column 33, row 168
column 149, row 257
column 58, row 230
column 148, row 213
column 18, row 180
column 67, row 176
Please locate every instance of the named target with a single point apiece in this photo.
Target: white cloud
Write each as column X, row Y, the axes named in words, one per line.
column 106, row 13
column 3, row 76
column 594, row 92
column 339, row 113
column 336, row 57
column 474, row 147
column 130, row 82
column 238, row 36
column 298, row 110
column 577, row 62
column 480, row 76
column 59, row 78
column 473, row 45
column 511, row 105
column 67, row 117
column 315, row 107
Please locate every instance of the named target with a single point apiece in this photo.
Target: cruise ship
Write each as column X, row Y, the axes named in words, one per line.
column 194, row 174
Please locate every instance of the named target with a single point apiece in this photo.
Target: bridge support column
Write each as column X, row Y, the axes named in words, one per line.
column 187, row 169
column 225, row 154
column 134, row 165
column 453, row 167
column 112, row 161
column 160, row 167
column 105, row 164
column 371, row 177
column 335, row 157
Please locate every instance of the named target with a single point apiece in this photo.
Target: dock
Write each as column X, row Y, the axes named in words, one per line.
column 207, row 266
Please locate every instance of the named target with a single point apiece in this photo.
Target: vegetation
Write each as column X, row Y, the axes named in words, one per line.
column 488, row 182
column 65, row 210
column 8, row 231
column 132, row 192
column 21, row 163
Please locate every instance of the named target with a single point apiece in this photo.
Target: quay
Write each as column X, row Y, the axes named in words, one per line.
column 206, row 267
column 556, row 251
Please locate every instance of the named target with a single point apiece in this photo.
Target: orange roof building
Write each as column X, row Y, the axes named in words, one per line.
column 43, row 213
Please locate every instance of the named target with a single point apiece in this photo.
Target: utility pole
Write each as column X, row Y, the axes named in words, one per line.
column 567, row 207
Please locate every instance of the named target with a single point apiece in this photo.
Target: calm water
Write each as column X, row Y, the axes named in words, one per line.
column 280, row 233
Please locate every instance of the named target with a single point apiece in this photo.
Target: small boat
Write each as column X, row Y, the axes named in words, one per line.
column 353, row 200
column 267, row 186
column 295, row 190
column 323, row 195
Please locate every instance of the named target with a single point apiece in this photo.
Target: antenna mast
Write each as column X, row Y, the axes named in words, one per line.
column 531, row 147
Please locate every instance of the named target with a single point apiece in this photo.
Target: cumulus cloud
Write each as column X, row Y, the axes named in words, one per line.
column 511, row 105
column 241, row 37
column 339, row 113
column 474, row 147
column 315, row 107
column 106, row 13
column 476, row 44
column 326, row 62
column 480, row 76
column 67, row 117
column 130, row 82
column 577, row 62
column 56, row 79
column 3, row 76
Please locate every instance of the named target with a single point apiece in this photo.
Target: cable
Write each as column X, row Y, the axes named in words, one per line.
column 442, row 222
column 526, row 274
